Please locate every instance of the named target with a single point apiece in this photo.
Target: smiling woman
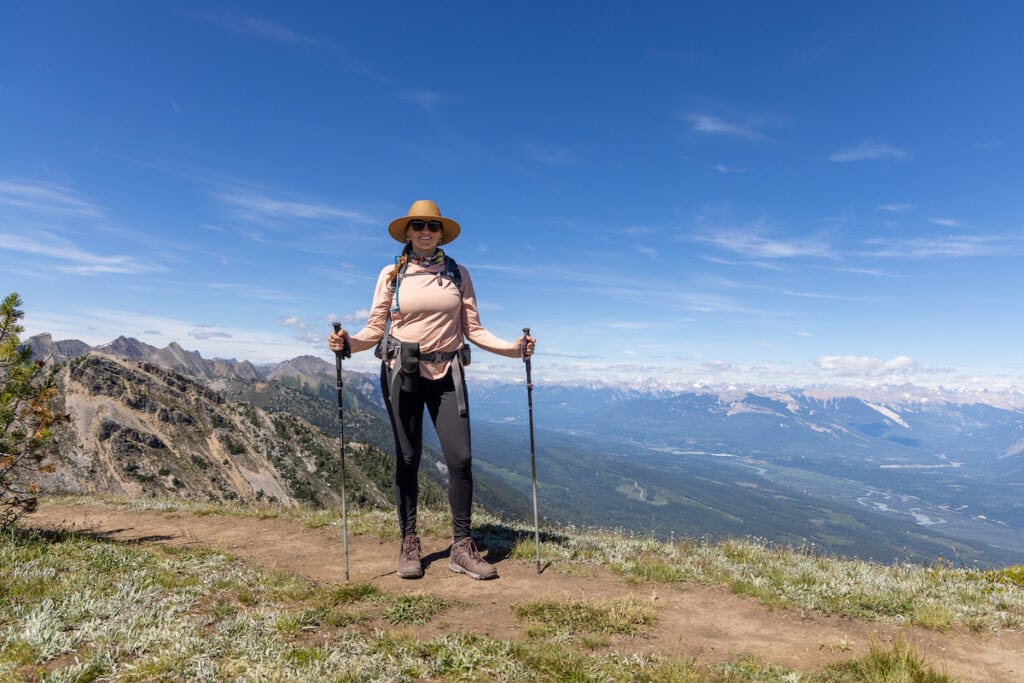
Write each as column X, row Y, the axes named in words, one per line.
column 424, row 309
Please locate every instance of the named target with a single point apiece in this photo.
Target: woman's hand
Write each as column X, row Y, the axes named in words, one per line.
column 526, row 344
column 339, row 341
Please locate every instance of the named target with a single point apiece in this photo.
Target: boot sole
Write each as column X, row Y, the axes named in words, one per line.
column 410, row 574
column 479, row 577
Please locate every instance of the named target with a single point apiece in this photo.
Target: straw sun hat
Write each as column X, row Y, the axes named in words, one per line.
column 424, row 209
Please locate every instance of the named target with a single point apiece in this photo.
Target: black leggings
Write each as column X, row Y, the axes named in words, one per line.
column 439, row 398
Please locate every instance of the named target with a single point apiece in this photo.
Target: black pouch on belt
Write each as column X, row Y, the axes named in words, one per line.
column 409, row 365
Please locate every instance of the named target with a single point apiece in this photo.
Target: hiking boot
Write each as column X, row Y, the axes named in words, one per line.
column 409, row 564
column 465, row 559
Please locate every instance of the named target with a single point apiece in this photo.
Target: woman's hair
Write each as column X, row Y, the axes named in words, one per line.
column 400, row 261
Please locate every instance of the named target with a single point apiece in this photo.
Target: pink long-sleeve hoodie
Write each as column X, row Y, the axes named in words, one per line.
column 431, row 312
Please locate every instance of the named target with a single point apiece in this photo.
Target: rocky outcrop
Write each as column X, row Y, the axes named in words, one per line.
column 137, row 429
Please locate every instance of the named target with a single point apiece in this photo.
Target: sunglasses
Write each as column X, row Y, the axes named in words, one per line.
column 432, row 226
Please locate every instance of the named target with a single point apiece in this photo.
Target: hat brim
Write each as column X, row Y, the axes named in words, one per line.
column 449, row 230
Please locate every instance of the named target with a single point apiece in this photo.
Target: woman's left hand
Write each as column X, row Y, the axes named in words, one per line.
column 526, row 345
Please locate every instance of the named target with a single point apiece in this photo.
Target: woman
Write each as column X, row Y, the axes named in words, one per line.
column 424, row 307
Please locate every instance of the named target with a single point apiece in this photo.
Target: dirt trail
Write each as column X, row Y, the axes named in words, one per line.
column 708, row 624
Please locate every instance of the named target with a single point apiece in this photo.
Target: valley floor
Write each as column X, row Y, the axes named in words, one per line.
column 707, row 624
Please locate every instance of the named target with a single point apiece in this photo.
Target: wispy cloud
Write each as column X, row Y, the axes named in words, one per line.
column 755, row 243
column 896, row 207
column 552, row 155
column 764, row 265
column 292, row 321
column 947, row 222
column 46, row 199
column 259, row 28
column 208, row 334
column 814, row 295
column 953, row 246
column 357, row 316
column 865, row 367
column 251, row 291
column 254, row 206
column 728, row 170
column 72, row 259
column 715, row 126
column 870, row 151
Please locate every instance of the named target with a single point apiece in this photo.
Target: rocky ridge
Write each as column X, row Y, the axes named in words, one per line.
column 140, row 430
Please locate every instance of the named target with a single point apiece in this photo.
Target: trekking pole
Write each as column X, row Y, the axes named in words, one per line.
column 338, row 355
column 533, row 458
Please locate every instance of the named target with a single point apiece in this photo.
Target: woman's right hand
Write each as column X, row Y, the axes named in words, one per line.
column 339, row 341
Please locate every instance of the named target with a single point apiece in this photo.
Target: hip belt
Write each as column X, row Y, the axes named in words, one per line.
column 409, row 353
column 404, row 376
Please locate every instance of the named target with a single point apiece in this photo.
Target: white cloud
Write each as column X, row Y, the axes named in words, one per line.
column 754, row 243
column 953, row 246
column 292, row 321
column 870, row 151
column 251, row 205
column 813, row 295
column 251, row 292
column 259, row 28
column 716, row 126
column 649, row 252
column 45, row 199
column 896, row 207
column 946, row 222
column 358, row 316
column 206, row 334
column 75, row 260
column 866, row 367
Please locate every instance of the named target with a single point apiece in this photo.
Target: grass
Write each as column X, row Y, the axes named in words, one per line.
column 74, row 607
column 883, row 665
column 412, row 609
column 563, row 621
column 937, row 597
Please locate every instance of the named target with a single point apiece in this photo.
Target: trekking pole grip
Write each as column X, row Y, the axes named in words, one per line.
column 346, row 352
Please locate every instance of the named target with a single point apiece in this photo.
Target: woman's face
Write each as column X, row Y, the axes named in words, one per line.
column 424, row 239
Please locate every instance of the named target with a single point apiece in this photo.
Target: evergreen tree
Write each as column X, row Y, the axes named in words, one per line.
column 27, row 394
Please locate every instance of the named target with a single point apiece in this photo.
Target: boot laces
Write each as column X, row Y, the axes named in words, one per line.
column 410, row 546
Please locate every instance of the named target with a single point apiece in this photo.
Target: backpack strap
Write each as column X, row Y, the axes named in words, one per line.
column 451, row 271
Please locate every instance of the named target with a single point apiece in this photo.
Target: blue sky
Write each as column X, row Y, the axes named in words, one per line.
column 770, row 193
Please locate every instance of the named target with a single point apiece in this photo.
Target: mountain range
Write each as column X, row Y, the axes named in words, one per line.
column 890, row 473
